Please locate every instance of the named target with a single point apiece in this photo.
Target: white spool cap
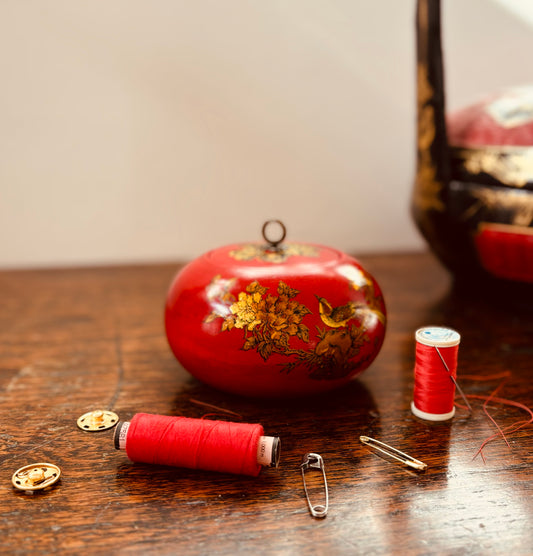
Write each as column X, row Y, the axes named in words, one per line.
column 435, row 336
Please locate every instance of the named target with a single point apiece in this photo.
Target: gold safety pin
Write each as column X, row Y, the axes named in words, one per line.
column 315, row 461
column 394, row 453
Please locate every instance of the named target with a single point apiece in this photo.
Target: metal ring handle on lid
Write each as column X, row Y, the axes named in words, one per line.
column 274, row 242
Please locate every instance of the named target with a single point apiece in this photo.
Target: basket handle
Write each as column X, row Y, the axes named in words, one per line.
column 431, row 135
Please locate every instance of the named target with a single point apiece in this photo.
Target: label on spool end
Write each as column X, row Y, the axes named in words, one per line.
column 437, row 336
column 121, row 435
column 268, row 451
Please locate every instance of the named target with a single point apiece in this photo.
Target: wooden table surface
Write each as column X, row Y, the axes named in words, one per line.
column 75, row 340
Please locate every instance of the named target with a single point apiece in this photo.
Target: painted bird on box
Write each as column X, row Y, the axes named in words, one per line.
column 335, row 317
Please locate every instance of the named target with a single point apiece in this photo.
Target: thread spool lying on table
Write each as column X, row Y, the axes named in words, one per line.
column 239, row 448
column 435, row 373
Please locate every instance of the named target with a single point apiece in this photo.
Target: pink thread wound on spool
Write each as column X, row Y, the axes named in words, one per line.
column 434, row 390
column 196, row 443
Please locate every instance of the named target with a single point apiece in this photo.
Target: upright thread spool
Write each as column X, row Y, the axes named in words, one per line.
column 434, row 390
column 239, row 448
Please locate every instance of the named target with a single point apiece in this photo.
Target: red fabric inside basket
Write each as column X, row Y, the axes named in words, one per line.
column 505, row 119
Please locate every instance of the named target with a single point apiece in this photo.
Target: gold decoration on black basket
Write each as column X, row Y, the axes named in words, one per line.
column 427, row 187
column 512, row 166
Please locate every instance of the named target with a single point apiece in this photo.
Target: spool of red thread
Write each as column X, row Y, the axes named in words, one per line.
column 435, row 373
column 239, row 448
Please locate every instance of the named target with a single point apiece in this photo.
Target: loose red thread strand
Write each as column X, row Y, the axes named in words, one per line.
column 218, row 409
column 194, row 443
column 485, row 378
column 486, row 411
column 510, row 428
column 502, row 432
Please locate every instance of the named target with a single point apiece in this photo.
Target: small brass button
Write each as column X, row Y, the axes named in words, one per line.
column 36, row 476
column 97, row 420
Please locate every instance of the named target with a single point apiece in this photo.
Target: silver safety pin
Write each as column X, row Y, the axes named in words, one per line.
column 315, row 461
column 394, row 453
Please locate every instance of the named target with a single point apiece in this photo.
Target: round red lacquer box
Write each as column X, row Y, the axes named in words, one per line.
column 275, row 319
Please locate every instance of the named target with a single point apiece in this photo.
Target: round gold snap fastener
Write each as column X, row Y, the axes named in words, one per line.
column 36, row 476
column 97, row 420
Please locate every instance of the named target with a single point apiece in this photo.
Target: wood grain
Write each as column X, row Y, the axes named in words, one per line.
column 80, row 339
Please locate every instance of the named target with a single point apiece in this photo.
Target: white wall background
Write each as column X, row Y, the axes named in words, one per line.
column 135, row 131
